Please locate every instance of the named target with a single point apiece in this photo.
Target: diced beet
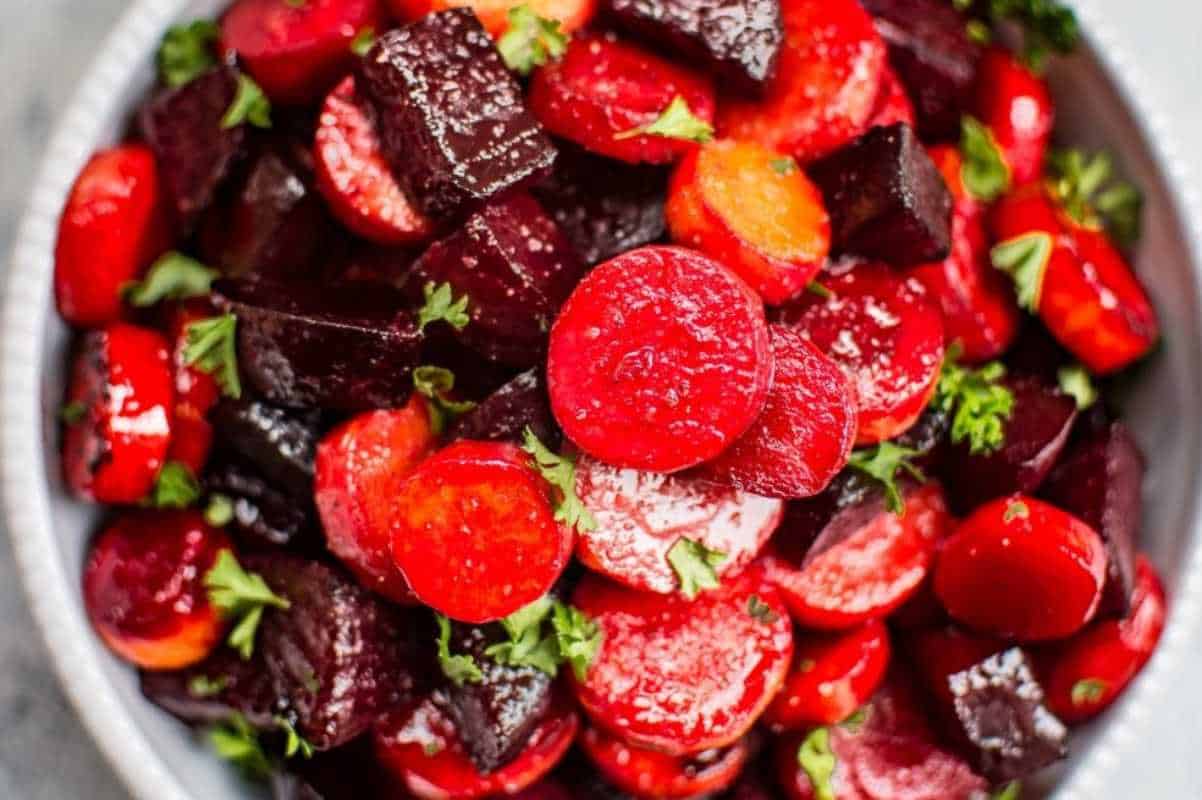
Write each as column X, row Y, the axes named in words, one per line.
column 738, row 39
column 1036, row 352
column 281, row 443
column 1001, row 712
column 451, row 117
column 886, row 198
column 1035, row 435
column 506, row 413
column 603, row 206
column 262, row 512
column 1099, row 480
column 931, row 52
column 195, row 153
column 338, row 657
column 347, row 346
column 516, row 268
column 206, row 693
column 496, row 715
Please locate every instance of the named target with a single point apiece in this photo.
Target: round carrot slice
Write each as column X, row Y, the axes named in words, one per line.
column 360, row 465
column 423, row 749
column 474, row 533
column 659, row 360
column 354, row 178
column 1047, row 564
column 650, row 774
column 682, row 676
column 806, row 431
column 888, row 333
column 849, row 576
column 827, row 80
column 641, row 516
column 755, row 211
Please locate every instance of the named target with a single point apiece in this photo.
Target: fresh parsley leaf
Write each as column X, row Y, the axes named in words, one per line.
column 296, row 3
column 212, row 348
column 174, row 276
column 818, row 762
column 187, row 51
column 856, row 720
column 1085, row 187
column 1025, row 258
column 433, row 383
column 459, row 669
column 1016, row 510
column 250, row 105
column 527, row 617
column 236, row 741
column 1011, row 791
column 695, row 564
column 1075, row 381
column 560, row 472
column 979, row 405
column 527, row 646
column 203, row 686
column 881, row 463
column 220, row 510
column 978, row 32
column 761, row 611
column 1088, row 691
column 783, row 166
column 530, row 40
column 577, row 637
column 175, row 487
column 818, row 290
column 674, row 122
column 984, row 172
column 1122, row 207
column 363, row 40
column 240, row 595
column 73, row 412
column 1047, row 25
column 294, row 743
column 441, row 305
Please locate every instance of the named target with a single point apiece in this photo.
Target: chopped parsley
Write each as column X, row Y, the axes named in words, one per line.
column 250, row 105
column 983, row 171
column 695, row 564
column 560, row 472
column 242, row 596
column 1025, row 259
column 761, row 611
column 1088, row 691
column 977, row 402
column 882, row 463
column 174, row 276
column 531, row 40
column 818, row 762
column 459, row 669
column 213, row 348
column 220, row 510
column 676, row 121
column 236, row 741
column 1087, row 190
column 187, row 51
column 73, row 412
column 441, row 305
column 1074, row 381
column 363, row 40
column 434, row 383
column 1016, row 510
column 175, row 487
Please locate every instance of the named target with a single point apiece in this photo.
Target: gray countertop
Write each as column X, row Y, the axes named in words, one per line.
column 44, row 48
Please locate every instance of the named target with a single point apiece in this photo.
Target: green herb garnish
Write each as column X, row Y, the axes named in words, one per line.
column 175, row 487
column 212, row 347
column 695, row 564
column 459, row 669
column 674, row 122
column 531, row 40
column 978, row 403
column 187, row 51
column 441, row 305
column 241, row 596
column 882, row 462
column 560, row 472
column 250, row 105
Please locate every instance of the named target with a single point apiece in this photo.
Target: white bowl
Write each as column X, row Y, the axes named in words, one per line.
column 1100, row 104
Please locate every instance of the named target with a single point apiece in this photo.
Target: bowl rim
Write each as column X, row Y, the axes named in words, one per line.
column 26, row 497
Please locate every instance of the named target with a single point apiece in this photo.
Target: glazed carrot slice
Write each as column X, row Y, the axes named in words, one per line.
column 647, row 773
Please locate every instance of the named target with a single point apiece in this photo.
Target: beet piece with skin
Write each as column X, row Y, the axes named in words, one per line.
column 195, row 152
column 1001, row 713
column 451, row 117
column 516, row 268
column 1099, row 480
column 1035, row 435
column 281, row 443
column 886, row 198
column 347, row 346
column 737, row 39
column 604, row 207
column 496, row 715
column 262, row 513
column 506, row 413
column 930, row 50
column 208, row 692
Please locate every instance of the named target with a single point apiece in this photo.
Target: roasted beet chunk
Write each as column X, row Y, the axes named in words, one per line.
column 345, row 346
column 503, row 416
column 208, row 692
column 603, row 206
column 195, row 153
column 930, row 50
column 451, row 117
column 1099, row 480
column 338, row 656
column 738, row 39
column 496, row 715
column 1001, row 714
column 261, row 512
column 886, row 198
column 281, row 443
column 516, row 268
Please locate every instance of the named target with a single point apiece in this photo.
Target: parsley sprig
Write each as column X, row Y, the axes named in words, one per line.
column 695, row 566
column 242, row 596
column 250, row 106
column 174, row 276
column 1048, row 26
column 560, row 472
column 1025, row 259
column 236, row 741
column 175, row 487
column 442, row 305
column 434, row 384
column 187, row 51
column 458, row 668
column 818, row 761
column 213, row 348
column 530, row 40
column 1089, row 193
column 983, row 171
column 676, row 121
column 1074, row 381
column 571, row 638
column 977, row 402
column 882, row 462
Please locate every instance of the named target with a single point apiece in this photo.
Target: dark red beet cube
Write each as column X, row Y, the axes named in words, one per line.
column 263, row 513
column 506, row 413
column 281, row 443
column 930, row 50
column 738, row 39
column 451, row 117
column 347, row 346
column 887, row 199
column 245, row 687
column 516, row 267
column 496, row 715
column 1099, row 481
column 604, row 207
column 194, row 152
column 1036, row 433
column 1000, row 711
